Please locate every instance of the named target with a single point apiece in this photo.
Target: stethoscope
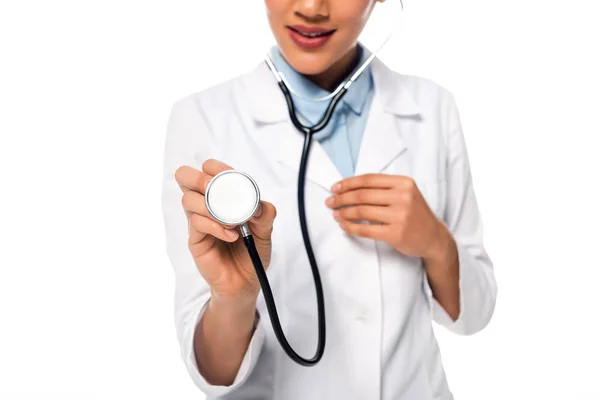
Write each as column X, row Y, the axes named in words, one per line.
column 232, row 197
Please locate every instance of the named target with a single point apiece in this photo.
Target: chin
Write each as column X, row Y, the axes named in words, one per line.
column 309, row 68
column 309, row 63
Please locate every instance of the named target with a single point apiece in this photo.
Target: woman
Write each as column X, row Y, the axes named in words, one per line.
column 391, row 211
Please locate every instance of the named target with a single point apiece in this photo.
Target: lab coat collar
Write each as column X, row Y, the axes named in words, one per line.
column 262, row 88
column 355, row 99
column 391, row 116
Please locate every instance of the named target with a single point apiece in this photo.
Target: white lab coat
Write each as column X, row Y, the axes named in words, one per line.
column 380, row 343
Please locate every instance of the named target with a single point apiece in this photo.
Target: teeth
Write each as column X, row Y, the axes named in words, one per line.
column 314, row 35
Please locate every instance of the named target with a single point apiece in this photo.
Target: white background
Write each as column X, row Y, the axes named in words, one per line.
column 85, row 92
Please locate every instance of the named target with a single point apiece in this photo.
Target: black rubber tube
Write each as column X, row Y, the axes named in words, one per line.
column 255, row 257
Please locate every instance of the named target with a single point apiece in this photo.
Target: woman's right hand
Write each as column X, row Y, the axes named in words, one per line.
column 222, row 259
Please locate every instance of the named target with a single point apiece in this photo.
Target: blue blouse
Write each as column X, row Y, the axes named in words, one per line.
column 342, row 137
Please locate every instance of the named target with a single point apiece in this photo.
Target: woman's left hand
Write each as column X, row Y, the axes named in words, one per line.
column 401, row 216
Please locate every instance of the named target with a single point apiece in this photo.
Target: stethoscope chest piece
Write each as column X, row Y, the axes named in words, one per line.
column 232, row 197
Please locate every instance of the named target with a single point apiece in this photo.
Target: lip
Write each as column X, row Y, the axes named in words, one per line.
column 298, row 34
column 310, row 29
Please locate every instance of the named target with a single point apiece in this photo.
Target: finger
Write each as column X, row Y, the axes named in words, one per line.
column 261, row 223
column 195, row 236
column 189, row 178
column 212, row 167
column 202, row 226
column 377, row 232
column 193, row 203
column 381, row 214
column 377, row 197
column 365, row 181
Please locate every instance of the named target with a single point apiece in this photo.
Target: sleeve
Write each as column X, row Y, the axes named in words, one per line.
column 188, row 142
column 478, row 288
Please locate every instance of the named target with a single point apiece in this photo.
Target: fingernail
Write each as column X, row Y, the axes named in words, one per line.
column 259, row 211
column 336, row 187
column 231, row 233
column 336, row 214
column 329, row 201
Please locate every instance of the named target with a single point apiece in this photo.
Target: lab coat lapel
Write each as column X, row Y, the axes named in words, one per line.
column 390, row 116
column 276, row 134
column 381, row 141
column 286, row 144
column 392, row 111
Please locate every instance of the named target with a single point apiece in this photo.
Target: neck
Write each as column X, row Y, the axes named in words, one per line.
column 335, row 75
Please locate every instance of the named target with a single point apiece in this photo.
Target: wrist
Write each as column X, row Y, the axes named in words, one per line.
column 240, row 302
column 229, row 321
column 441, row 250
column 234, row 313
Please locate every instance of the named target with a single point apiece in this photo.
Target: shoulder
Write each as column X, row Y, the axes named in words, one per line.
column 218, row 103
column 408, row 94
column 243, row 99
column 191, row 116
column 213, row 96
column 420, row 85
column 414, row 94
column 219, row 113
column 427, row 93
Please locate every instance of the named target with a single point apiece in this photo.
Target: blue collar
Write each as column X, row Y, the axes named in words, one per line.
column 355, row 99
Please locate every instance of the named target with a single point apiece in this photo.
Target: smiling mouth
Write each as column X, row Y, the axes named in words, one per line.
column 311, row 35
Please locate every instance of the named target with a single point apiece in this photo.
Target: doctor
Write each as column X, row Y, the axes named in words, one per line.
column 391, row 212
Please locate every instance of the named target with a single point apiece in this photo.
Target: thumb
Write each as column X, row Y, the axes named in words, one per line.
column 261, row 224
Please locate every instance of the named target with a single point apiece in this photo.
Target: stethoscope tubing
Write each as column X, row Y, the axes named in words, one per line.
column 255, row 257
column 308, row 132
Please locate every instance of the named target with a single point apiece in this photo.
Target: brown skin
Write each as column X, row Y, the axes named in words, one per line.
column 222, row 336
column 403, row 220
column 326, row 66
column 222, row 260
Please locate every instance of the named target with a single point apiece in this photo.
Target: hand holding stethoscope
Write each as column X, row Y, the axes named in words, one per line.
column 222, row 259
column 233, row 199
